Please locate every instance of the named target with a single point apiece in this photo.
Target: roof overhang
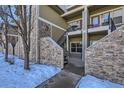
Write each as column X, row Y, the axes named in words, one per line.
column 71, row 12
column 57, row 9
column 74, row 12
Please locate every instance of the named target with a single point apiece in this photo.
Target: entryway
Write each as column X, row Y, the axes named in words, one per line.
column 75, row 64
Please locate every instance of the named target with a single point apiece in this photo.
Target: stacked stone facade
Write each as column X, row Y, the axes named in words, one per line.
column 105, row 59
column 50, row 52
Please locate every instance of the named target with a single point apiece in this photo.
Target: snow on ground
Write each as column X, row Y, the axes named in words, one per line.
column 89, row 81
column 14, row 75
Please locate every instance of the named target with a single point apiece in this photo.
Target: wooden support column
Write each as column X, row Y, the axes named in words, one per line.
column 67, row 42
column 37, row 36
column 84, row 32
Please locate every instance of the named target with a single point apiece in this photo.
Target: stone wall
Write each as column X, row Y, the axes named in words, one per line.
column 50, row 52
column 44, row 29
column 10, row 49
column 19, row 48
column 105, row 59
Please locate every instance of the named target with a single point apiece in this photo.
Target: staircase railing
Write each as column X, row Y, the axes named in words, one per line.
column 62, row 39
column 50, row 29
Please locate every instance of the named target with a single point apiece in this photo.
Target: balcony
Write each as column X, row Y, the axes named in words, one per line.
column 74, row 30
column 97, row 28
column 77, row 32
column 91, row 28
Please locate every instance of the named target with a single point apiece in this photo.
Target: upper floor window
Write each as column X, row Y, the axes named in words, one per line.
column 95, row 21
column 76, row 25
column 105, row 18
column 117, row 16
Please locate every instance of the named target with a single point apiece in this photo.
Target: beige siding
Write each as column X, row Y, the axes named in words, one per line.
column 75, row 39
column 96, row 37
column 106, row 8
column 123, row 14
column 74, row 18
column 56, row 33
column 49, row 14
column 91, row 37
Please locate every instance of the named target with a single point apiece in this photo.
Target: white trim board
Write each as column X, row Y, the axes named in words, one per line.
column 70, row 6
column 98, row 29
column 74, row 32
column 74, row 20
column 42, row 19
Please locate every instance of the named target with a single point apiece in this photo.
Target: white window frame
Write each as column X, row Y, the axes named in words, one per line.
column 76, row 48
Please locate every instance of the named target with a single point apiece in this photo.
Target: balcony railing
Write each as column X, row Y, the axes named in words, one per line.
column 99, row 27
column 73, row 28
column 93, row 26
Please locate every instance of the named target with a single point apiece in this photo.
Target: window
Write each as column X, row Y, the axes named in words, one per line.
column 76, row 47
column 95, row 21
column 117, row 16
column 105, row 19
column 117, row 20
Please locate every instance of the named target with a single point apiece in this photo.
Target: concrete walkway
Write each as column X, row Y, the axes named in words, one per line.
column 67, row 78
column 64, row 79
column 74, row 69
column 76, row 60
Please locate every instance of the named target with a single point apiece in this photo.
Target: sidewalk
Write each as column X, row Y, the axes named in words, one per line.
column 72, row 68
column 64, row 79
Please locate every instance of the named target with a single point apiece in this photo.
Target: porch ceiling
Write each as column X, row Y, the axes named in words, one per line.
column 96, row 7
column 101, row 7
column 73, row 13
column 57, row 9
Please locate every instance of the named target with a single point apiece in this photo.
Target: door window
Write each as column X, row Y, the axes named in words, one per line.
column 76, row 47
